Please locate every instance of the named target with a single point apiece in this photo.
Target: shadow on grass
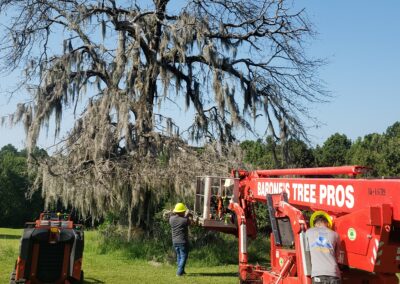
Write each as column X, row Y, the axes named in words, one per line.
column 9, row 237
column 92, row 281
column 216, row 274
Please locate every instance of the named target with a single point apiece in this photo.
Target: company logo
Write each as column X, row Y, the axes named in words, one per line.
column 351, row 234
column 264, row 188
column 322, row 242
column 326, row 194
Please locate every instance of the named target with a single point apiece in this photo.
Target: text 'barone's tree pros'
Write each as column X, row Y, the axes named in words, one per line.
column 117, row 65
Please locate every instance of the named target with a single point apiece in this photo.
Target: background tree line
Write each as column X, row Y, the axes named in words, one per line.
column 381, row 152
column 16, row 204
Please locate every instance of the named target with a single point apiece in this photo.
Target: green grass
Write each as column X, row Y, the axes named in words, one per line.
column 117, row 266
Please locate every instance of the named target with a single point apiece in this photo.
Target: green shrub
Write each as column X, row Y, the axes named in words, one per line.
column 206, row 247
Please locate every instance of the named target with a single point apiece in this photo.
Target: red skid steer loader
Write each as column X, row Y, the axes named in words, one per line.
column 51, row 251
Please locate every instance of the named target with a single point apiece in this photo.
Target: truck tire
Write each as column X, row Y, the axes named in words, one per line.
column 12, row 277
column 250, row 281
column 77, row 281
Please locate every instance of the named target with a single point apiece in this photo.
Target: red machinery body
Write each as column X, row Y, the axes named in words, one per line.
column 365, row 214
column 51, row 251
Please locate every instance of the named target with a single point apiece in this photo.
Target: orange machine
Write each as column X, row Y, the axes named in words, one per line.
column 51, row 251
column 364, row 212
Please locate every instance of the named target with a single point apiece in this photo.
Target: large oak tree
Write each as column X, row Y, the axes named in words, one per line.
column 119, row 64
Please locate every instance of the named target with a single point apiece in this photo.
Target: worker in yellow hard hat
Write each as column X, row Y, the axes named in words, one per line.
column 317, row 216
column 180, row 222
column 180, row 208
column 323, row 245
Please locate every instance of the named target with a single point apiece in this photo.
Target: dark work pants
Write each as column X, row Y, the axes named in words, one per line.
column 326, row 280
column 182, row 253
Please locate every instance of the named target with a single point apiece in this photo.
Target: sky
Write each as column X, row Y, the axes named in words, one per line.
column 360, row 41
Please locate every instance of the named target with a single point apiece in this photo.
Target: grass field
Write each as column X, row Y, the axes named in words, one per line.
column 117, row 268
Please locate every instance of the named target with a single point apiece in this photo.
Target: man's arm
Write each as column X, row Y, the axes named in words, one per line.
column 189, row 217
column 337, row 243
column 338, row 249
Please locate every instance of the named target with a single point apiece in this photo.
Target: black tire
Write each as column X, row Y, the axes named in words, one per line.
column 250, row 281
column 77, row 281
column 12, row 277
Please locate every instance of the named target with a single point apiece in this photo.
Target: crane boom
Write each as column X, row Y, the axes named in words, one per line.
column 337, row 196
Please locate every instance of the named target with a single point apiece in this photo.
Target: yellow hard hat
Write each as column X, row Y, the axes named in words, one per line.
column 320, row 213
column 179, row 208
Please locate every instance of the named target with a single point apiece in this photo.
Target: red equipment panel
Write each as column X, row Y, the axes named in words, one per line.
column 336, row 196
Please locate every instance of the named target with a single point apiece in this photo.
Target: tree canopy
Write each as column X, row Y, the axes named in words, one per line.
column 16, row 205
column 119, row 64
column 380, row 152
column 334, row 151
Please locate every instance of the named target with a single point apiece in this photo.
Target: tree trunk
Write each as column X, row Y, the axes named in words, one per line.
column 130, row 223
column 144, row 119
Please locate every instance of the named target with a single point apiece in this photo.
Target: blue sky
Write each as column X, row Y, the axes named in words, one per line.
column 360, row 41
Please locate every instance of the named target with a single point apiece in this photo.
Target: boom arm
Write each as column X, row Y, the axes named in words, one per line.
column 337, row 196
